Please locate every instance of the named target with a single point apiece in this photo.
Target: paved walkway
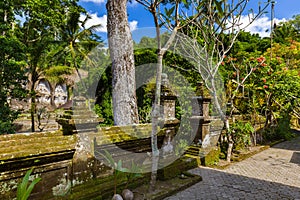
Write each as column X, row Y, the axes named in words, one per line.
column 271, row 174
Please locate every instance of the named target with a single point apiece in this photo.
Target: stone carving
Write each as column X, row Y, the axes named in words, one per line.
column 60, row 95
column 43, row 92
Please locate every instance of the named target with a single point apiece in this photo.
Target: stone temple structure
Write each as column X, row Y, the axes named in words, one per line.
column 48, row 96
column 43, row 91
column 60, row 94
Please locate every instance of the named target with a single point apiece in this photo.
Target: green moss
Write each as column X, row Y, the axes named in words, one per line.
column 212, row 158
column 247, row 154
column 22, row 145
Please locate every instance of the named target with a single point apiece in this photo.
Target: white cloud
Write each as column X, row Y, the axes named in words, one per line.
column 95, row 19
column 133, row 25
column 261, row 26
column 94, row 1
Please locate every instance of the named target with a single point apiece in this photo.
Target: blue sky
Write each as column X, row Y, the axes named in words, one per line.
column 139, row 18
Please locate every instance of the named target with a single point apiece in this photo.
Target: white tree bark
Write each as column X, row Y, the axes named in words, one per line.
column 122, row 57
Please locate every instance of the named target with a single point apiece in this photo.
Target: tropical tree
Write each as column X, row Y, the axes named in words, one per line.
column 73, row 42
column 171, row 19
column 40, row 30
column 123, row 70
column 295, row 21
column 12, row 65
column 280, row 80
column 216, row 29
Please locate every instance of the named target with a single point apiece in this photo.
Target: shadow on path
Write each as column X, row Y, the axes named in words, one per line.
column 221, row 185
column 270, row 174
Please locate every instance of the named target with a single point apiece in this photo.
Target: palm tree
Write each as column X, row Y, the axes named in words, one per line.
column 74, row 41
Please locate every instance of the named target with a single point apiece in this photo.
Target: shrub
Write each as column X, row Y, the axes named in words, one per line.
column 241, row 133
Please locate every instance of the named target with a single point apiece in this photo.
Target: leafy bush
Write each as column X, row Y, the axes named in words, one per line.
column 281, row 130
column 7, row 118
column 241, row 133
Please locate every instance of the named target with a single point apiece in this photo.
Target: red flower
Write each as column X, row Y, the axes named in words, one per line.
column 260, row 59
column 265, row 86
column 263, row 64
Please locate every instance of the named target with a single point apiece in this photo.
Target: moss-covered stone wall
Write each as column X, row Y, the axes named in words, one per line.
column 57, row 158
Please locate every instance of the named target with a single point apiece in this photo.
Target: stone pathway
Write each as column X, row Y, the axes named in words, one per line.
column 270, row 174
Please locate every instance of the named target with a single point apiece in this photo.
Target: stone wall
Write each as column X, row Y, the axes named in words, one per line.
column 60, row 160
column 49, row 153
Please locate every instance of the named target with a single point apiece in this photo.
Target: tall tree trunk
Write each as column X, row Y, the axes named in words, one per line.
column 123, row 70
column 32, row 107
column 156, row 107
column 33, row 79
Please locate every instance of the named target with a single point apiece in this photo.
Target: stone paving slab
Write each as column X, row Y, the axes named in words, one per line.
column 270, row 174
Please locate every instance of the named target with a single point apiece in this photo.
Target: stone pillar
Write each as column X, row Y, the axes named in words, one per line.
column 168, row 104
column 200, row 115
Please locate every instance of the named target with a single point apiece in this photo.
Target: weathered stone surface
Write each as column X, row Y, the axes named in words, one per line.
column 60, row 94
column 270, row 174
column 59, row 163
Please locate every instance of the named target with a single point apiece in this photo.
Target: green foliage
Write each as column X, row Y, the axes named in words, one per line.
column 281, row 130
column 103, row 106
column 12, row 71
column 284, row 127
column 56, row 74
column 181, row 146
column 241, row 134
column 178, row 68
column 24, row 188
column 145, row 100
column 273, row 84
column 119, row 171
column 133, row 173
column 55, row 40
column 104, row 111
column 248, row 43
